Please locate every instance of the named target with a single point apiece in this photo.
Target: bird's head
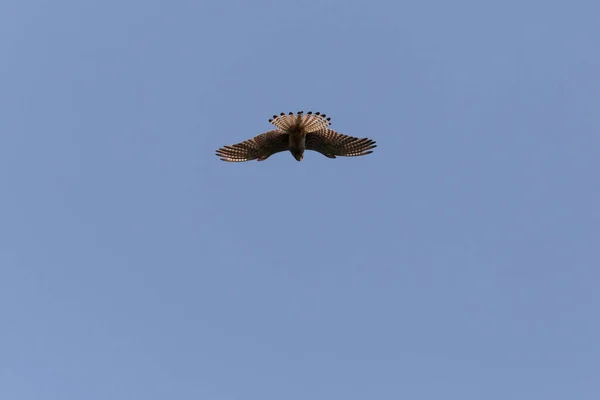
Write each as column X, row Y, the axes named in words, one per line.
column 298, row 155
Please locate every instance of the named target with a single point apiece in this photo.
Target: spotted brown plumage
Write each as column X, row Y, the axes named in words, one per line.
column 297, row 132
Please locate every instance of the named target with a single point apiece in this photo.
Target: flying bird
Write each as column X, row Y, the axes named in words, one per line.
column 297, row 132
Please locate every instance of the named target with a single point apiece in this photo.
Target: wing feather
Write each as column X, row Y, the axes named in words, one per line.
column 258, row 148
column 331, row 144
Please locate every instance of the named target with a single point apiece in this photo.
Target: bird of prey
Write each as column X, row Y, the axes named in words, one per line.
column 297, row 132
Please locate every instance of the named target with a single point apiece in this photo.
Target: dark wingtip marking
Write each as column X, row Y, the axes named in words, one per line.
column 324, row 115
column 270, row 119
column 282, row 114
column 274, row 116
column 291, row 113
column 309, row 113
column 317, row 113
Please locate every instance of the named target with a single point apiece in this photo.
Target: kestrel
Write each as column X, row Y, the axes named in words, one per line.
column 297, row 133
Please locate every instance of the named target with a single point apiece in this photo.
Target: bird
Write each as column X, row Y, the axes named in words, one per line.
column 297, row 132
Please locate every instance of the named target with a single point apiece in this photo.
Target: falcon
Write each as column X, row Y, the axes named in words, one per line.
column 297, row 132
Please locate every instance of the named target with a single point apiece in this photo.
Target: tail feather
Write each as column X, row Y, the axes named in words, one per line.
column 309, row 122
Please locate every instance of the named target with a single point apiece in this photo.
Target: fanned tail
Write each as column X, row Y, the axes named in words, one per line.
column 308, row 122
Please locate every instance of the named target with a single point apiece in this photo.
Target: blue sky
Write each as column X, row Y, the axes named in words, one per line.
column 458, row 261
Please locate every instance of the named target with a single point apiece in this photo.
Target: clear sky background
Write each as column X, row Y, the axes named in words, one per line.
column 460, row 260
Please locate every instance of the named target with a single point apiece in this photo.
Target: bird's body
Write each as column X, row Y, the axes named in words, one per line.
column 297, row 142
column 297, row 133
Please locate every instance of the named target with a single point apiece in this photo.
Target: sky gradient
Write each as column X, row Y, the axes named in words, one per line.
column 460, row 260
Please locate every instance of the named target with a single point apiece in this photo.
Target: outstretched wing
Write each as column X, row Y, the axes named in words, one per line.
column 258, row 148
column 331, row 144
